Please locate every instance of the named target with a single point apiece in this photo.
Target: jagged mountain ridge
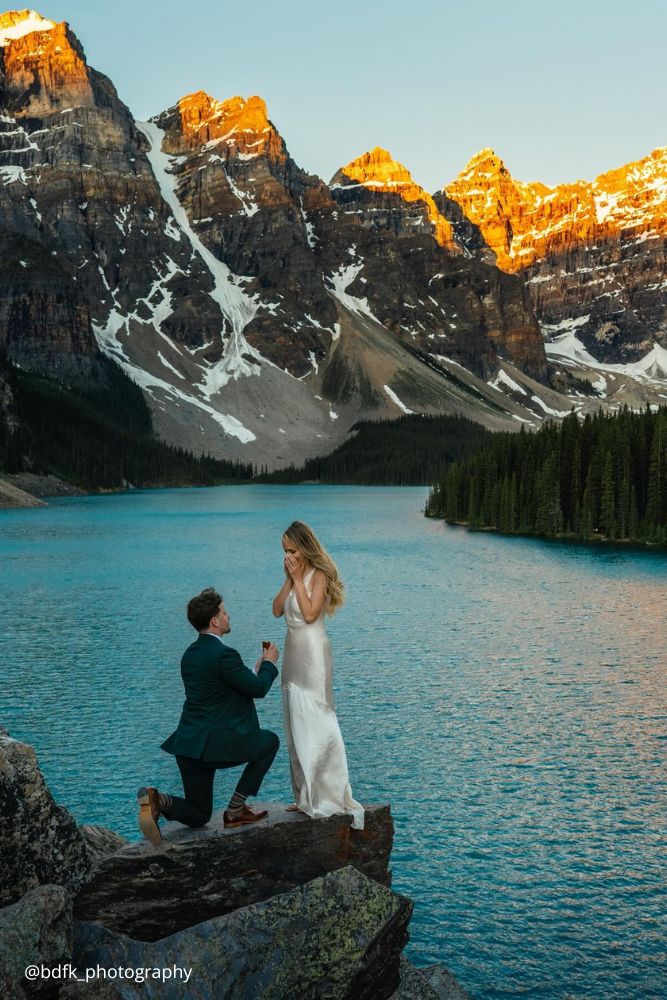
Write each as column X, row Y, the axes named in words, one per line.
column 261, row 310
column 523, row 223
column 74, row 178
column 423, row 284
column 242, row 193
column 593, row 254
column 302, row 245
column 218, row 273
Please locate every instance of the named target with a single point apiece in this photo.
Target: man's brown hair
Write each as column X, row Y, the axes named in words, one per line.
column 203, row 607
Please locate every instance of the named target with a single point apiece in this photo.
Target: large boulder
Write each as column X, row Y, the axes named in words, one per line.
column 340, row 936
column 196, row 874
column 35, row 931
column 98, row 989
column 413, row 985
column 443, row 982
column 39, row 840
column 100, row 841
column 432, row 983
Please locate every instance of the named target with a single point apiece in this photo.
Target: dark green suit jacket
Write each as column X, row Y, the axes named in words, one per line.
column 219, row 720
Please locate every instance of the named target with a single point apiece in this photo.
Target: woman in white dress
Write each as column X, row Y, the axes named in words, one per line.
column 318, row 765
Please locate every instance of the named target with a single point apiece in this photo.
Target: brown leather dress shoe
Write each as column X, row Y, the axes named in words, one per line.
column 149, row 814
column 245, row 816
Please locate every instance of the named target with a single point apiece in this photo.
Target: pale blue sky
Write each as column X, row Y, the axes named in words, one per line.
column 560, row 90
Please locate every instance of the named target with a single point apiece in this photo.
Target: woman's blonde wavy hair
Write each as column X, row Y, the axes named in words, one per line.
column 305, row 540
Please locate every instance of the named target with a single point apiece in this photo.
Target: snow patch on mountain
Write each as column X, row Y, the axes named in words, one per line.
column 553, row 331
column 238, row 358
column 549, row 409
column 308, row 226
column 502, row 381
column 340, row 281
column 567, row 347
column 653, row 365
column 29, row 21
column 11, row 174
column 109, row 342
column 167, row 364
column 249, row 207
column 158, row 300
column 333, row 330
column 394, row 398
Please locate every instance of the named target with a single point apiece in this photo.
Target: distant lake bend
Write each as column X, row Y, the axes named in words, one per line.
column 506, row 695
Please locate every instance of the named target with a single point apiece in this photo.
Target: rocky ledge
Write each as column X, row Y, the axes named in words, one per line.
column 291, row 907
column 148, row 892
column 40, row 842
column 340, row 935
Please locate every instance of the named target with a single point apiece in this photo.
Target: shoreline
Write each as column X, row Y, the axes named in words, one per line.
column 13, row 497
column 28, row 490
column 560, row 539
column 40, row 488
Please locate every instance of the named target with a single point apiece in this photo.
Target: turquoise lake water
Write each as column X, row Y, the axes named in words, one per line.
column 507, row 696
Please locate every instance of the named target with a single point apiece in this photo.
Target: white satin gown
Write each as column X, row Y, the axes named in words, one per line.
column 318, row 764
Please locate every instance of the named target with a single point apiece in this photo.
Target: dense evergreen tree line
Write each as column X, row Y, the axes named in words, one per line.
column 99, row 438
column 603, row 477
column 409, row 451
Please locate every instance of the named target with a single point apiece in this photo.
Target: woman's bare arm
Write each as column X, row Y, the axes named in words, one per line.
column 311, row 607
column 281, row 597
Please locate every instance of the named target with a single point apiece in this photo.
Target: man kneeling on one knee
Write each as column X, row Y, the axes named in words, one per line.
column 218, row 728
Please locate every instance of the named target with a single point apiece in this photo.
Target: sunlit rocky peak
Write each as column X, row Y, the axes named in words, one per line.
column 378, row 171
column 377, row 168
column 17, row 23
column 523, row 223
column 204, row 119
column 485, row 164
column 44, row 66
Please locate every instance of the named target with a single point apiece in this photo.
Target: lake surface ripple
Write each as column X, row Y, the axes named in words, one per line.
column 507, row 696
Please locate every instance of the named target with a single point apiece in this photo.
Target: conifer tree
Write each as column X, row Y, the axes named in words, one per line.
column 601, row 478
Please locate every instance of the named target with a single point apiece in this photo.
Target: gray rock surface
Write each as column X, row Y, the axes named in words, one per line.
column 43, row 486
column 35, row 931
column 444, row 984
column 39, row 840
column 150, row 892
column 413, row 985
column 96, row 990
column 12, row 496
column 434, row 982
column 101, row 842
column 340, row 936
column 273, row 910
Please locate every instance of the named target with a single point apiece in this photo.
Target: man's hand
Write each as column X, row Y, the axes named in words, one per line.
column 271, row 652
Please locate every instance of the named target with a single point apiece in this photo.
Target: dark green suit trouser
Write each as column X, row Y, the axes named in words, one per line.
column 196, row 808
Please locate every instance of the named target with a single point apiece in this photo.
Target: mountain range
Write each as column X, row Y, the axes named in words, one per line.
column 263, row 311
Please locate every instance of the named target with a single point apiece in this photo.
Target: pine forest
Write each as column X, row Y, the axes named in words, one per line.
column 603, row 478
